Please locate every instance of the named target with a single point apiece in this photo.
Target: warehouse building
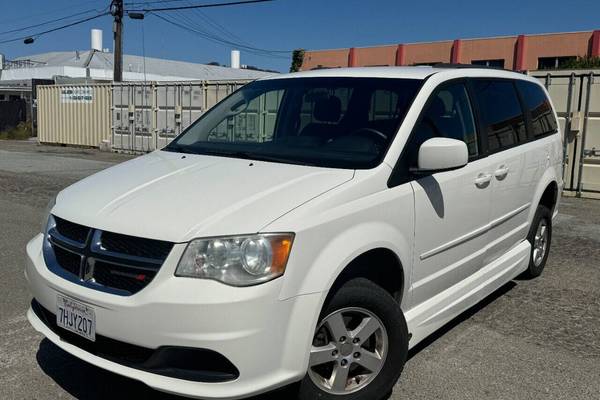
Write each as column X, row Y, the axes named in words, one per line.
column 97, row 64
column 519, row 53
column 20, row 76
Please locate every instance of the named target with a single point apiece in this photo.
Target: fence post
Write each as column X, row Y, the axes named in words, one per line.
column 154, row 115
column 584, row 133
column 567, row 131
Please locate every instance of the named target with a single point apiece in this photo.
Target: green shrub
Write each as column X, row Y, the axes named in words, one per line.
column 586, row 62
column 20, row 132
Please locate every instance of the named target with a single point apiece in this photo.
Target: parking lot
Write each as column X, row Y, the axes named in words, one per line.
column 536, row 339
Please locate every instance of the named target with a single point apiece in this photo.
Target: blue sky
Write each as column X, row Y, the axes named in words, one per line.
column 289, row 24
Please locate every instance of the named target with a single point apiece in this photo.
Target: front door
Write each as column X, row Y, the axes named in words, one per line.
column 452, row 209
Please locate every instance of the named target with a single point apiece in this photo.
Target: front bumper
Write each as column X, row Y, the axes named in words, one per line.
column 266, row 339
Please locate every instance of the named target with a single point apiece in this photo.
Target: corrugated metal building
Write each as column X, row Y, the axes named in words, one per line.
column 98, row 65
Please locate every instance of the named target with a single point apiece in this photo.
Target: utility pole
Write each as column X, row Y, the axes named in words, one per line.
column 116, row 10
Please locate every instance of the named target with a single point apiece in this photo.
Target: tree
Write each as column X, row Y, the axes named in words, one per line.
column 586, row 62
column 297, row 60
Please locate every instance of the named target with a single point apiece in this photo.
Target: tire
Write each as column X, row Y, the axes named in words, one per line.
column 543, row 216
column 356, row 299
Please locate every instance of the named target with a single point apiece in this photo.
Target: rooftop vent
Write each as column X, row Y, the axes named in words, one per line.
column 96, row 36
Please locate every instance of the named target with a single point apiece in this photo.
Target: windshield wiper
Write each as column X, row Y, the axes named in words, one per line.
column 270, row 158
column 247, row 155
column 179, row 149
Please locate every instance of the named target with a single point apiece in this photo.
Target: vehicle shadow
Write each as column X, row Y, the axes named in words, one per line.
column 85, row 381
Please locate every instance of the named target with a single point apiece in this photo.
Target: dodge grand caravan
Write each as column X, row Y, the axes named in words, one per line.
column 309, row 229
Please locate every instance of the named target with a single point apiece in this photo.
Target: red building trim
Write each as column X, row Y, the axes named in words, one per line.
column 456, row 51
column 352, row 57
column 521, row 53
column 596, row 44
column 401, row 55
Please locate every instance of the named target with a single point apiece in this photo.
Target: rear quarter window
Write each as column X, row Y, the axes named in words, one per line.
column 538, row 106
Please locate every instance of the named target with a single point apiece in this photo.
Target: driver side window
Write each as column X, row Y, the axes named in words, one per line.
column 448, row 114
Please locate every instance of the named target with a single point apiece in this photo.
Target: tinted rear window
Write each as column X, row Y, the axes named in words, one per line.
column 538, row 105
column 502, row 117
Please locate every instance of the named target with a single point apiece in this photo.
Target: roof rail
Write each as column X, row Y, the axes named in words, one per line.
column 469, row 66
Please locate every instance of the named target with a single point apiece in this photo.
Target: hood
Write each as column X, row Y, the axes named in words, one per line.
column 175, row 197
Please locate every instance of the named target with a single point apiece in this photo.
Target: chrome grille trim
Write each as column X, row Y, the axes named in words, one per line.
column 97, row 248
column 92, row 252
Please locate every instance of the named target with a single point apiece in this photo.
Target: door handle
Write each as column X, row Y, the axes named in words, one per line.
column 483, row 180
column 501, row 172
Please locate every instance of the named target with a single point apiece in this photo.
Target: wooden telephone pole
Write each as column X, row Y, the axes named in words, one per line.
column 116, row 10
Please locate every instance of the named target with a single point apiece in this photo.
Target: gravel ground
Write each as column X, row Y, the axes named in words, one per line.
column 536, row 339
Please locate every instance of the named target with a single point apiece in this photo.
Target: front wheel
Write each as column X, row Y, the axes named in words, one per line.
column 359, row 347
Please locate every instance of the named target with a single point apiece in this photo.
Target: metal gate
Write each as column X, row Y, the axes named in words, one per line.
column 576, row 96
column 147, row 116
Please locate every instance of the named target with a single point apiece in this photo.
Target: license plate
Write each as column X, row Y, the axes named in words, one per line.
column 76, row 317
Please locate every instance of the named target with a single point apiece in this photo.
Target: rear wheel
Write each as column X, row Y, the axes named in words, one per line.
column 540, row 237
column 359, row 347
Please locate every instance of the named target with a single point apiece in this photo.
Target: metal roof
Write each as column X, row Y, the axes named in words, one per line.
column 135, row 64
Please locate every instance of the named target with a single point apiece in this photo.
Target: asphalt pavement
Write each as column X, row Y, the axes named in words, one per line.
column 537, row 339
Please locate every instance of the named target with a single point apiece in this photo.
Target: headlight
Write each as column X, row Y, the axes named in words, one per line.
column 237, row 260
column 47, row 212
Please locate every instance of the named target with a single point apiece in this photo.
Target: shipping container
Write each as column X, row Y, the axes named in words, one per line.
column 75, row 115
column 576, row 97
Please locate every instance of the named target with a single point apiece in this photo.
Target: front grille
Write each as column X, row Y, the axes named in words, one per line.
column 69, row 261
column 105, row 261
column 71, row 230
column 135, row 246
column 125, row 278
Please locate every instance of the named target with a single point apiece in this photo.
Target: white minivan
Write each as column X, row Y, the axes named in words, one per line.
column 309, row 229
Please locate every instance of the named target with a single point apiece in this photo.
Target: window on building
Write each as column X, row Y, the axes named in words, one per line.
column 553, row 62
column 499, row 63
column 448, row 115
column 2, row 97
column 502, row 117
column 540, row 111
column 427, row 64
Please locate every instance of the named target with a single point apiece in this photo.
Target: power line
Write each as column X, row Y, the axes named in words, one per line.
column 224, row 4
column 53, row 12
column 38, row 34
column 151, row 2
column 48, row 22
column 216, row 39
column 220, row 27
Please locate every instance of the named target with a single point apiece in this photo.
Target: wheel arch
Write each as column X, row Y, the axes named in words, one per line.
column 379, row 265
column 546, row 193
column 549, row 197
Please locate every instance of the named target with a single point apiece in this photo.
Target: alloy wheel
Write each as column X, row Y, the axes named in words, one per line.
column 348, row 351
column 540, row 243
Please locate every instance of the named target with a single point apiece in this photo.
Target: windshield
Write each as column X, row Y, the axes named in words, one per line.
column 327, row 122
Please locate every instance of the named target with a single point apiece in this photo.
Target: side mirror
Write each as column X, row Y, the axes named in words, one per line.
column 442, row 154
